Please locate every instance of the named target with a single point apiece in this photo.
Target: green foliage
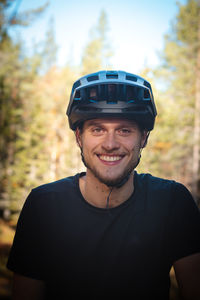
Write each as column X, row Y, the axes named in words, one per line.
column 187, row 23
column 16, row 77
column 36, row 145
column 9, row 16
column 28, row 17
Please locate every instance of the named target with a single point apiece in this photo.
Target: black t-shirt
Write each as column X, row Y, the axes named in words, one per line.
column 124, row 252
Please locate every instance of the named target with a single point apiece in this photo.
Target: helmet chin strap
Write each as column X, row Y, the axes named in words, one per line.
column 126, row 178
column 123, row 181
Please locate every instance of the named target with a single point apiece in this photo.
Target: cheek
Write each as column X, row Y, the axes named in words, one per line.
column 134, row 146
column 88, row 146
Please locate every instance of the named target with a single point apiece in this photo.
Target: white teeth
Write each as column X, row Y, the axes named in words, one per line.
column 109, row 158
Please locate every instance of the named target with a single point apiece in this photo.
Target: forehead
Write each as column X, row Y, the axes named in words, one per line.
column 110, row 122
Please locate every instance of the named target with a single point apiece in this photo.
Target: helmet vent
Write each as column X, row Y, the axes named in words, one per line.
column 89, row 109
column 112, row 76
column 77, row 95
column 93, row 78
column 147, row 84
column 131, row 78
column 77, row 84
column 135, row 108
column 146, row 95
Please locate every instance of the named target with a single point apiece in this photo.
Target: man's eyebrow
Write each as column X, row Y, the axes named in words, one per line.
column 128, row 126
column 99, row 124
column 94, row 123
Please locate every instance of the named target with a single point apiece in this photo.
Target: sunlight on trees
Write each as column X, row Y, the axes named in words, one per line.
column 36, row 143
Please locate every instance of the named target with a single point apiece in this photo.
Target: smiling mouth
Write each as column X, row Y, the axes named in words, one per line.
column 110, row 158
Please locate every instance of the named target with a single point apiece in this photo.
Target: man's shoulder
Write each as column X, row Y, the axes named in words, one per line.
column 154, row 182
column 161, row 188
column 61, row 185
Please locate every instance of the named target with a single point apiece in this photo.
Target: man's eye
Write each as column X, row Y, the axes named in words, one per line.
column 97, row 130
column 124, row 131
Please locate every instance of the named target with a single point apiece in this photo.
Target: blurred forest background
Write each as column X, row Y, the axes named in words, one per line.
column 36, row 145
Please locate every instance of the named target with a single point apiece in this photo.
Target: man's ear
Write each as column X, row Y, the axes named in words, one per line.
column 78, row 137
column 145, row 137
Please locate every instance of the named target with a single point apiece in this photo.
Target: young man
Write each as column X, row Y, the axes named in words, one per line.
column 109, row 232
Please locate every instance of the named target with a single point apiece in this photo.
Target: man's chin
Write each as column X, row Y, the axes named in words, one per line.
column 113, row 181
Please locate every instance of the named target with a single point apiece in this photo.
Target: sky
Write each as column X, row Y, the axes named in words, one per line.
column 136, row 28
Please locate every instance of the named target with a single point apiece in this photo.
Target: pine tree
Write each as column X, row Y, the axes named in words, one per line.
column 98, row 51
column 49, row 51
column 196, row 146
column 15, row 77
column 181, row 74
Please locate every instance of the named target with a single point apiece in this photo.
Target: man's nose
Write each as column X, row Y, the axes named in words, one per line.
column 110, row 142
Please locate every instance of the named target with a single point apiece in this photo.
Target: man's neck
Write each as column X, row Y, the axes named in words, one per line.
column 96, row 193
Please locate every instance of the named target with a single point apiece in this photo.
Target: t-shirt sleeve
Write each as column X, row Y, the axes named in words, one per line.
column 184, row 224
column 26, row 255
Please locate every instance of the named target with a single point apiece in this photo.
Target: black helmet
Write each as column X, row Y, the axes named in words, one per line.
column 107, row 94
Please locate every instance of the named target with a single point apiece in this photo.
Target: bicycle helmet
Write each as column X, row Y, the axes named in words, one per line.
column 108, row 94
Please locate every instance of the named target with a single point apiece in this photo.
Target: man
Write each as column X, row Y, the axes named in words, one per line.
column 109, row 233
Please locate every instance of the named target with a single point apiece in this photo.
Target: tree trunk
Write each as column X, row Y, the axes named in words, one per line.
column 196, row 147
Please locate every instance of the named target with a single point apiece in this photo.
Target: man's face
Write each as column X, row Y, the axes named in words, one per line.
column 111, row 148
